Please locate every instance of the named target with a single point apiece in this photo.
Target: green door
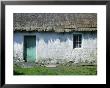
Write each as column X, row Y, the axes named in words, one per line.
column 30, row 48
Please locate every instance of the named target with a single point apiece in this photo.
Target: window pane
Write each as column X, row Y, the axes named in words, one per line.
column 80, row 38
column 77, row 39
column 76, row 45
column 79, row 45
column 79, row 42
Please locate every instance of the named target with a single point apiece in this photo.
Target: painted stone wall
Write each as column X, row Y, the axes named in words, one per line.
column 58, row 47
column 18, row 47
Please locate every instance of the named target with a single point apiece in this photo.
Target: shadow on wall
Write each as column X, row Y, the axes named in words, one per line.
column 54, row 37
column 89, row 35
column 18, row 39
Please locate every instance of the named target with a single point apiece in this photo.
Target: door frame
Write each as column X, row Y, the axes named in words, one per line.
column 25, row 60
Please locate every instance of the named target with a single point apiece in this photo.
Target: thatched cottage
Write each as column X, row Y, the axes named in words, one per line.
column 55, row 37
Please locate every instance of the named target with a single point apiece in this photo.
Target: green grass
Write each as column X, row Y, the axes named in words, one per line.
column 60, row 70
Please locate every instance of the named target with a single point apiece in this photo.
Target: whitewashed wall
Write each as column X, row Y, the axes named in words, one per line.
column 59, row 46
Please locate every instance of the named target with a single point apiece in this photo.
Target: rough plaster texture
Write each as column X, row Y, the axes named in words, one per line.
column 58, row 47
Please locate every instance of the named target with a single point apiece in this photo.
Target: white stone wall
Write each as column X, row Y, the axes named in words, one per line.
column 18, row 47
column 59, row 46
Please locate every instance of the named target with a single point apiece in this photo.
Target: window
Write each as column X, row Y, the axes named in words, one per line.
column 77, row 40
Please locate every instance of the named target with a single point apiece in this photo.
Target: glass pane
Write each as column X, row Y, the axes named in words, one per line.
column 79, row 45
column 80, row 37
column 77, row 40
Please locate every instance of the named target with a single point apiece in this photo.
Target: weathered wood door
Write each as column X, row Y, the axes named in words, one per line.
column 30, row 48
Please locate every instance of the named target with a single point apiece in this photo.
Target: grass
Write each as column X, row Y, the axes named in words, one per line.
column 60, row 70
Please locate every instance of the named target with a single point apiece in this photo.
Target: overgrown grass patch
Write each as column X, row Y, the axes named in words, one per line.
column 59, row 70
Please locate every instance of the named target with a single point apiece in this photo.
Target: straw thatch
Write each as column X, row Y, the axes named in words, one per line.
column 56, row 22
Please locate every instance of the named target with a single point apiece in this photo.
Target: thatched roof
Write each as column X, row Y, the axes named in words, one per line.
column 56, row 22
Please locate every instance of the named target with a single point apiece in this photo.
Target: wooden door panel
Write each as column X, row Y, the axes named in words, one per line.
column 30, row 48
